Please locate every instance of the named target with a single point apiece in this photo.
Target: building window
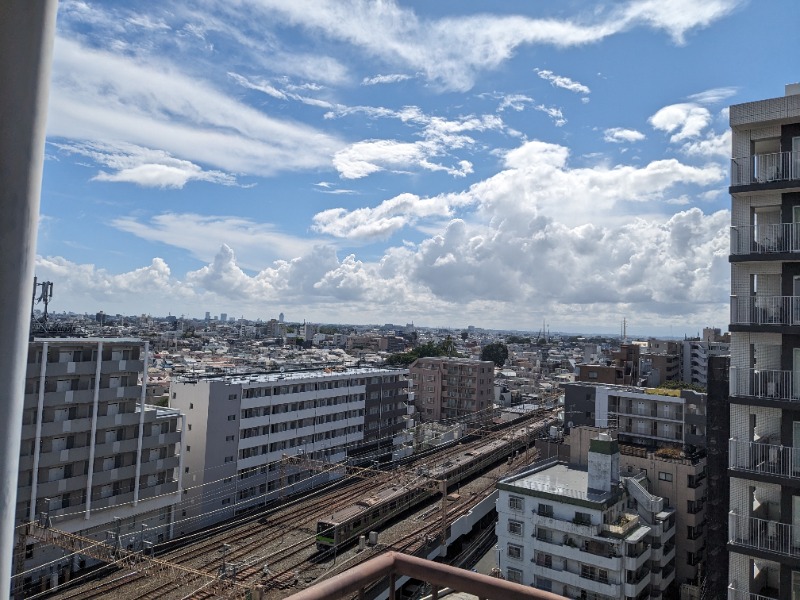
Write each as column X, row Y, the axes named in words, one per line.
column 514, row 575
column 191, row 405
column 582, row 518
column 186, row 469
column 545, row 510
column 662, row 476
column 516, row 503
column 188, row 448
column 189, row 426
column 231, row 417
column 515, row 527
column 544, row 584
column 515, row 551
column 230, row 438
column 226, row 501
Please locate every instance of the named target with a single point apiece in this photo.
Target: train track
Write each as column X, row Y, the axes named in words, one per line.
column 288, row 531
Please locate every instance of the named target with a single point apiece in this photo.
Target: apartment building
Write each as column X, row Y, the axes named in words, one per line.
column 585, row 533
column 92, row 451
column 663, row 436
column 452, row 388
column 764, row 464
column 240, row 427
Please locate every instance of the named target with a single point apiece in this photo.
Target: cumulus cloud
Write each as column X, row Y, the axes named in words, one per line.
column 562, row 82
column 686, row 120
column 713, row 146
column 619, row 135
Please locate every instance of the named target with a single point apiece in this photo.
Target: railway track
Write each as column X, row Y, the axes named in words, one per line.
column 287, row 531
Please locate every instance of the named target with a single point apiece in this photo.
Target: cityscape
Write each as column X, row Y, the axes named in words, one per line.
column 511, row 294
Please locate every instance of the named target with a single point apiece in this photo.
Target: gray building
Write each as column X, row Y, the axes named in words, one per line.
column 92, row 451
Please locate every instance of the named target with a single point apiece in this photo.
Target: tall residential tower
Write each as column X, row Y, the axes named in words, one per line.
column 764, row 518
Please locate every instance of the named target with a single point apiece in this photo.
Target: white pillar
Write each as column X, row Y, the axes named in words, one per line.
column 141, row 426
column 26, row 46
column 93, row 435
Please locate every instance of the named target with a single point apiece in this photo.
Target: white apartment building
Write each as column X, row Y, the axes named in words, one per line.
column 764, row 467
column 92, row 451
column 585, row 534
column 239, row 427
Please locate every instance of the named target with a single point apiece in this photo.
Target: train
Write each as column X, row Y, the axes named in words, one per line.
column 389, row 501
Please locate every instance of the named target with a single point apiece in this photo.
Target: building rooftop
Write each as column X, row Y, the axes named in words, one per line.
column 245, row 378
column 560, row 480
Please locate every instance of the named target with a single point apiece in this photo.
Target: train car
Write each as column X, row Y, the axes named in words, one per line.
column 348, row 523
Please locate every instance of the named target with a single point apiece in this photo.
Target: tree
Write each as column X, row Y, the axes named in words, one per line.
column 448, row 346
column 496, row 352
column 464, row 335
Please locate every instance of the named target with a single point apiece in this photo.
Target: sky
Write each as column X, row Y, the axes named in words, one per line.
column 445, row 163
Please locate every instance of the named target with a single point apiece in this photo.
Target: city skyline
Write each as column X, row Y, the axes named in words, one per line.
column 401, row 162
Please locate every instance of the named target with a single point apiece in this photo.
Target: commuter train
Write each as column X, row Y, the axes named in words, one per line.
column 391, row 500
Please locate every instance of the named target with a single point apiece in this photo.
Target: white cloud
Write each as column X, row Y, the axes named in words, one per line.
column 99, row 96
column 620, row 135
column 202, row 236
column 453, row 50
column 687, row 120
column 713, row 96
column 562, row 82
column 713, row 146
column 514, row 102
column 391, row 78
column 554, row 113
column 143, row 166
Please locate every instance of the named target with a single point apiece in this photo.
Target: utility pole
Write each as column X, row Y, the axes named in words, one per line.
column 443, row 509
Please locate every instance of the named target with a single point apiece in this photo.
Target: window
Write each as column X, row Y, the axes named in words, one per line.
column 545, row 510
column 226, row 501
column 230, row 438
column 231, row 417
column 186, row 469
column 544, row 584
column 231, row 396
column 191, row 405
column 582, row 518
column 662, row 476
column 515, row 527
column 188, row 448
column 514, row 575
column 516, row 503
column 515, row 551
column 189, row 426
column 228, row 459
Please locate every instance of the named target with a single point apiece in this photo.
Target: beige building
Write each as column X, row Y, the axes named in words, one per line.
column 452, row 388
column 680, row 480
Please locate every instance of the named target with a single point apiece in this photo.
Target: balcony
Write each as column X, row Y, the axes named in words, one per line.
column 625, row 524
column 765, row 240
column 734, row 594
column 763, row 169
column 393, row 566
column 606, row 559
column 765, row 384
column 763, row 534
column 768, row 459
column 765, row 310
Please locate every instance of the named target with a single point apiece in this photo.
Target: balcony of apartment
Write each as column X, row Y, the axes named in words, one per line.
column 602, row 556
column 773, row 241
column 765, row 171
column 768, row 462
column 734, row 594
column 779, row 314
column 625, row 524
column 569, row 526
column 764, row 535
column 636, row 582
column 584, row 578
column 392, row 566
column 770, row 386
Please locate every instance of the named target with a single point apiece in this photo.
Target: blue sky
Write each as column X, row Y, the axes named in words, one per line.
column 447, row 163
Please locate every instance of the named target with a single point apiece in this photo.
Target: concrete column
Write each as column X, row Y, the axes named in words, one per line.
column 27, row 31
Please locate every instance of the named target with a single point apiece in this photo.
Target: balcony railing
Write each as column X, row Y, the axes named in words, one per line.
column 762, row 383
column 765, row 239
column 763, row 534
column 765, row 310
column 765, row 168
column 393, row 566
column 734, row 594
column 769, row 459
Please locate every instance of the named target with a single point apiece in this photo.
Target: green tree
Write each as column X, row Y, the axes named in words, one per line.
column 464, row 335
column 496, row 352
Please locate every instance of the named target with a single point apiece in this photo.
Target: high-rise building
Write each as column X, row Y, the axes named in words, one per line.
column 92, row 451
column 764, row 451
column 223, row 317
column 452, row 388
